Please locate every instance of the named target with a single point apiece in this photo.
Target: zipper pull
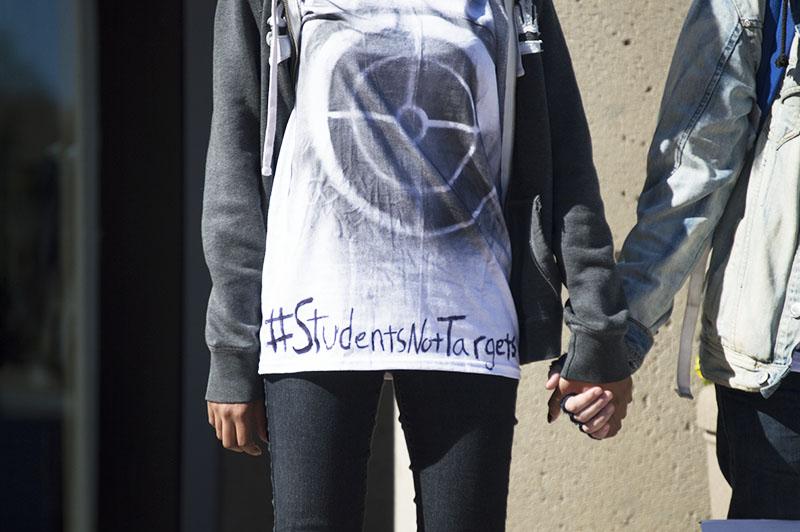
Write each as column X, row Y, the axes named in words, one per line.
column 284, row 41
column 527, row 24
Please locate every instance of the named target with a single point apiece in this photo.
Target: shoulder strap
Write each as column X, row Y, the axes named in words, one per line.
column 507, row 139
column 292, row 10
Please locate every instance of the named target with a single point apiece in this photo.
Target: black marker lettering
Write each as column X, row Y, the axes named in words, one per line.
column 401, row 341
column 281, row 319
column 316, row 319
column 459, row 348
column 372, row 339
column 490, row 351
column 475, row 346
column 335, row 334
column 512, row 343
column 349, row 330
column 306, row 348
column 412, row 337
column 437, row 341
column 390, row 333
column 499, row 347
column 450, row 320
column 360, row 336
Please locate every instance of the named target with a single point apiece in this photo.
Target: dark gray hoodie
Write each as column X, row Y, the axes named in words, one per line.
column 553, row 210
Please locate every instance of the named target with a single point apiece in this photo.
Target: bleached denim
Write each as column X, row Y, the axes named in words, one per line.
column 714, row 180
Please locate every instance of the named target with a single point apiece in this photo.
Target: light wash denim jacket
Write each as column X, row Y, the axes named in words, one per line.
column 714, row 181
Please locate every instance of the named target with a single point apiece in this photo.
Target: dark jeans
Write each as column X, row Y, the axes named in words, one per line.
column 758, row 448
column 458, row 428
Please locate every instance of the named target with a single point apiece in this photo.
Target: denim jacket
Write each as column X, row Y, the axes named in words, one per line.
column 715, row 180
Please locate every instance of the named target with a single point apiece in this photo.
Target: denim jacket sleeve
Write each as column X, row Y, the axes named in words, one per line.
column 706, row 128
column 233, row 219
column 596, row 313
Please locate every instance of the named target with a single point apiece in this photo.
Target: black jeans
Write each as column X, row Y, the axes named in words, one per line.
column 758, row 448
column 458, row 428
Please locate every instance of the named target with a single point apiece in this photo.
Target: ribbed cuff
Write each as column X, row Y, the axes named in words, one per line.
column 596, row 358
column 233, row 377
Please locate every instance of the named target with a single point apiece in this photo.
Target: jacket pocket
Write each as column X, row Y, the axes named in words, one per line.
column 541, row 252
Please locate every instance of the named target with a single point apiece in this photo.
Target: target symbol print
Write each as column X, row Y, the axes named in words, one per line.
column 414, row 122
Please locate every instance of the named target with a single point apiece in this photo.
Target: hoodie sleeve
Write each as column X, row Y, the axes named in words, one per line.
column 234, row 218
column 596, row 312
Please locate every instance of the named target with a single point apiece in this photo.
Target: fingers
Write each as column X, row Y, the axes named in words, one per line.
column 578, row 403
column 229, row 436
column 237, row 424
column 602, row 433
column 244, row 439
column 582, row 397
column 554, row 406
column 609, row 430
column 552, row 380
column 597, row 410
column 582, row 415
column 623, row 396
column 595, row 423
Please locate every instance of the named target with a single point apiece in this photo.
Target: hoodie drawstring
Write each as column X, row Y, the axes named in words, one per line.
column 783, row 59
column 275, row 22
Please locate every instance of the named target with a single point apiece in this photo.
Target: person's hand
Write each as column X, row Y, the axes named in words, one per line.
column 238, row 425
column 597, row 409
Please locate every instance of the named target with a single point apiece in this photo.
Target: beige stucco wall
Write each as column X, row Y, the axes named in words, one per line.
column 653, row 475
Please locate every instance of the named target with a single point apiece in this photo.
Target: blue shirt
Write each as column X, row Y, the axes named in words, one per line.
column 770, row 76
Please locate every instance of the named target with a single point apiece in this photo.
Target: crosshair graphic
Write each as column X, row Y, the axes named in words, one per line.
column 412, row 115
column 411, row 118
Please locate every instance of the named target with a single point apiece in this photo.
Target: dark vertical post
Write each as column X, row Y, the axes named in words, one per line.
column 200, row 476
column 140, row 48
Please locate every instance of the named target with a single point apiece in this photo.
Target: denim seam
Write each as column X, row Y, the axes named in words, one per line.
column 742, row 361
column 269, row 459
column 733, row 41
column 791, row 294
column 744, row 267
column 598, row 335
column 793, row 133
column 746, row 20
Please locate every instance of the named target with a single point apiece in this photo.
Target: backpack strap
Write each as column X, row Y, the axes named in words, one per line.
column 293, row 14
column 512, row 62
column 694, row 300
column 280, row 49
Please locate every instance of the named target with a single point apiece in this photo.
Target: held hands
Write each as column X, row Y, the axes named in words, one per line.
column 597, row 409
column 238, row 425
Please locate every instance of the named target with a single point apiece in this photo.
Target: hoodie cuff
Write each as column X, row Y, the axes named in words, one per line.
column 597, row 358
column 233, row 377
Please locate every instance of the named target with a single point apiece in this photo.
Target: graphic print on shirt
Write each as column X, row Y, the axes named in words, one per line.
column 386, row 210
column 409, row 108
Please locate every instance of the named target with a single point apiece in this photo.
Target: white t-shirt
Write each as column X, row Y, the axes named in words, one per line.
column 386, row 243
